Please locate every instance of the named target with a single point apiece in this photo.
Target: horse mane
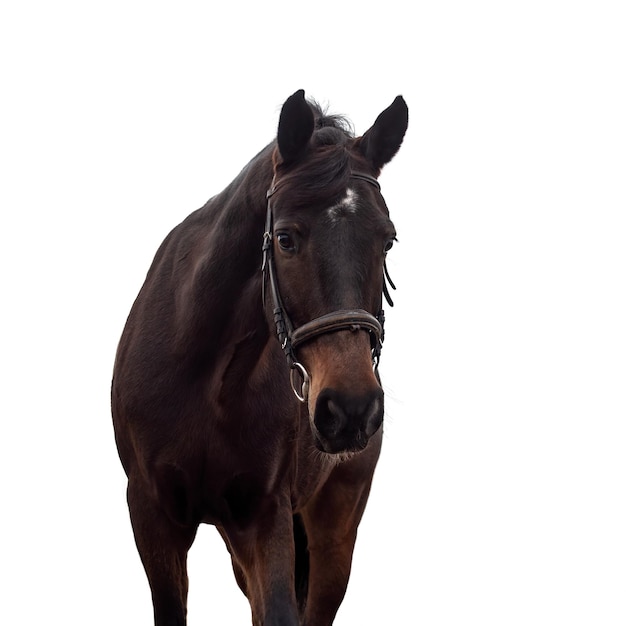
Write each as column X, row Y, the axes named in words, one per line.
column 324, row 169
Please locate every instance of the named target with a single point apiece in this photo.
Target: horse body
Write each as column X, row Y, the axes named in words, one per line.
column 206, row 425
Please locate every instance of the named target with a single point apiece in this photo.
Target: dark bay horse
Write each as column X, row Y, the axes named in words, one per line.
column 272, row 441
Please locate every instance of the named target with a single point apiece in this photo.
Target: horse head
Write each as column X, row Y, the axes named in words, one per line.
column 328, row 232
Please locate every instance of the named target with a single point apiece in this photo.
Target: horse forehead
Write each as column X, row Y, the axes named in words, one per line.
column 346, row 205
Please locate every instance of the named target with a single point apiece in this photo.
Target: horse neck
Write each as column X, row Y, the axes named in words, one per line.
column 226, row 278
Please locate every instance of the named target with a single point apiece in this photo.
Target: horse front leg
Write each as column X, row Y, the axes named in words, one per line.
column 331, row 519
column 163, row 546
column 263, row 556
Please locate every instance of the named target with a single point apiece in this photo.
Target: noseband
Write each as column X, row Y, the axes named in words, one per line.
column 344, row 319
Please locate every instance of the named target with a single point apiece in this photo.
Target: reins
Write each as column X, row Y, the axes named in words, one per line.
column 344, row 319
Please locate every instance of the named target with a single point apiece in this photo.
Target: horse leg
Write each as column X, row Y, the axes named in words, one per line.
column 301, row 564
column 163, row 547
column 331, row 519
column 263, row 557
column 240, row 575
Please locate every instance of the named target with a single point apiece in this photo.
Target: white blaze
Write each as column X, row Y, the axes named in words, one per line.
column 344, row 206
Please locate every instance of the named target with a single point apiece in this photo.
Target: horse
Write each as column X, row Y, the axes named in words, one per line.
column 245, row 390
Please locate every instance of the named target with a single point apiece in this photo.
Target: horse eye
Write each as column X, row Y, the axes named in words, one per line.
column 285, row 241
column 389, row 245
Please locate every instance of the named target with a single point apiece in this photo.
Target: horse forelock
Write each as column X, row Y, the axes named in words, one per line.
column 323, row 172
column 325, row 120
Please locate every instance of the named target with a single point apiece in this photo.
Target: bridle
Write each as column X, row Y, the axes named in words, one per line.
column 344, row 319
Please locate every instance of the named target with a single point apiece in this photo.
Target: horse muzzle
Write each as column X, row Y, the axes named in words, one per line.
column 343, row 394
column 343, row 421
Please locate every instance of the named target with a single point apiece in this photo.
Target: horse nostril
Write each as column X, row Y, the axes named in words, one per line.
column 330, row 418
column 374, row 417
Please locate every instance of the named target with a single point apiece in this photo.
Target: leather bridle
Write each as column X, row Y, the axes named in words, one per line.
column 344, row 319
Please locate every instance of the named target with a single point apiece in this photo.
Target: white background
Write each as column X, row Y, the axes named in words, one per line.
column 500, row 494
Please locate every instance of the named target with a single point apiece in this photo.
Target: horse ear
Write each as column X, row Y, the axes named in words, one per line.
column 295, row 127
column 383, row 140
